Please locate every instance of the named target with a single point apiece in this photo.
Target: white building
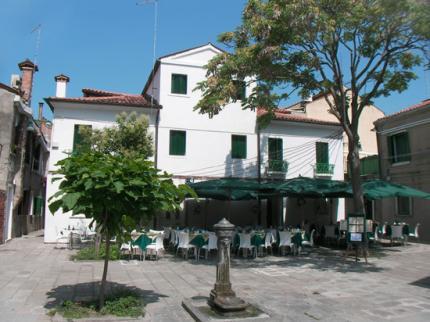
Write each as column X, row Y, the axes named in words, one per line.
column 192, row 146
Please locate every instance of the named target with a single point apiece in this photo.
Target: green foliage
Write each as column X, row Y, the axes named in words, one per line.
column 129, row 137
column 114, row 190
column 122, row 304
column 344, row 49
column 90, row 253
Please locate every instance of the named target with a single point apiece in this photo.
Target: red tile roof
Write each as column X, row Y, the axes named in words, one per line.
column 96, row 96
column 286, row 115
column 423, row 104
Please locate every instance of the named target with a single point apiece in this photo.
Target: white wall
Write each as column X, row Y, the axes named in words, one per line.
column 66, row 115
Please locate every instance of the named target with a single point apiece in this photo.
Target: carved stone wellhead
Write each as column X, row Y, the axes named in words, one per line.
column 222, row 297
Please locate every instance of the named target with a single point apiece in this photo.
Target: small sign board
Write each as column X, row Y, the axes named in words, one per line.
column 356, row 237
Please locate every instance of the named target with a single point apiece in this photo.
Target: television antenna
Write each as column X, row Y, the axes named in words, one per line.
column 38, row 30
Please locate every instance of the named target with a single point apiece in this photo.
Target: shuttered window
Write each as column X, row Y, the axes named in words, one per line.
column 238, row 146
column 37, row 205
column 398, row 147
column 79, row 142
column 404, row 206
column 179, row 84
column 177, row 142
column 275, row 149
column 322, row 152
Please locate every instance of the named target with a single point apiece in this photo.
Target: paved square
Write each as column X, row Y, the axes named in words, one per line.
column 320, row 286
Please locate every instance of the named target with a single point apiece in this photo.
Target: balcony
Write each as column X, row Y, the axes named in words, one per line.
column 276, row 168
column 323, row 169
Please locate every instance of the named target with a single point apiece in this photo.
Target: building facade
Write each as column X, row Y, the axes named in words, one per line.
column 404, row 153
column 194, row 147
column 23, row 156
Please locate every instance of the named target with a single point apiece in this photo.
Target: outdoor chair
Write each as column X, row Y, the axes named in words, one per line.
column 396, row 233
column 212, row 244
column 268, row 240
column 184, row 245
column 126, row 248
column 415, row 234
column 245, row 245
column 310, row 242
column 284, row 241
column 63, row 238
column 375, row 237
column 156, row 247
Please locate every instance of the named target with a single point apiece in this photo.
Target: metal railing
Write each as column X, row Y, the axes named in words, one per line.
column 277, row 166
column 324, row 169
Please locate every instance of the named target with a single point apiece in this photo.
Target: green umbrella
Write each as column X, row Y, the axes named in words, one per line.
column 378, row 189
column 227, row 183
column 311, row 188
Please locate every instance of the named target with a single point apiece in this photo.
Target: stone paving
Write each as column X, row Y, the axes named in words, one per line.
column 320, row 286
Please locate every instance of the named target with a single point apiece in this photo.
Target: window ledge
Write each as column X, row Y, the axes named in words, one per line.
column 396, row 164
column 174, row 156
column 179, row 95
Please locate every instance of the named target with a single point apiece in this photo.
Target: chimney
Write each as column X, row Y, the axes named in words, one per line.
column 40, row 115
column 28, row 68
column 61, row 81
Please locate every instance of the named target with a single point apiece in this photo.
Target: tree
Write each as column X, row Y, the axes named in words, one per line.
column 110, row 181
column 129, row 137
column 351, row 51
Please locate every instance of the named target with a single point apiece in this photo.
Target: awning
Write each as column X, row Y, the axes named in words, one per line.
column 379, row 189
column 227, row 189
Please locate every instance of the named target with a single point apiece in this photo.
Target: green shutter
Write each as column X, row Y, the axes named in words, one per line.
column 179, row 84
column 79, row 144
column 322, row 152
column 177, row 142
column 402, row 147
column 238, row 146
column 275, row 149
column 403, row 206
column 37, row 206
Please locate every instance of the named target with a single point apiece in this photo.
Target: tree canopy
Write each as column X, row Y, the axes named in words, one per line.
column 351, row 51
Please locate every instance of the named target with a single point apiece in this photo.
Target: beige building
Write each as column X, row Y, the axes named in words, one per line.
column 404, row 157
column 316, row 107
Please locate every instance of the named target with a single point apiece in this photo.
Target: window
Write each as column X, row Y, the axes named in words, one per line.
column 37, row 206
column 179, row 84
column 238, row 146
column 398, row 147
column 36, row 159
column 322, row 152
column 240, row 90
column 80, row 143
column 177, row 142
column 404, row 206
column 275, row 149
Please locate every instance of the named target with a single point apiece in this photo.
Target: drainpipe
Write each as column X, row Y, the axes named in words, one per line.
column 259, row 174
column 157, row 121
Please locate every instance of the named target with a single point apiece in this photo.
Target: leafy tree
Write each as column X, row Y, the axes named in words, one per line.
column 352, row 51
column 116, row 192
column 129, row 137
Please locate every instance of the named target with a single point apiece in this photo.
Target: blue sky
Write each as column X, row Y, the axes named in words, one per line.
column 107, row 44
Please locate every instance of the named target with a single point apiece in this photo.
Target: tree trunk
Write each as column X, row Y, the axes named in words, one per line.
column 98, row 240
column 354, row 170
column 105, row 268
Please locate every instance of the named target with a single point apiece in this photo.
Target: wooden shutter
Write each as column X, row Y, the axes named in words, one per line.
column 322, row 152
column 238, row 146
column 402, row 147
column 179, row 84
column 275, row 149
column 177, row 142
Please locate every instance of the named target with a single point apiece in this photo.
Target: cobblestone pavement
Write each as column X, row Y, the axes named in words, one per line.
column 320, row 286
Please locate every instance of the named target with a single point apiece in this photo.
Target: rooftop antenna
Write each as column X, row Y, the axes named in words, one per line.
column 38, row 30
column 154, row 44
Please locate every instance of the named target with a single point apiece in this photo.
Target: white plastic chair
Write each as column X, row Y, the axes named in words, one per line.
column 63, row 238
column 415, row 234
column 245, row 244
column 268, row 240
column 184, row 244
column 309, row 242
column 126, row 247
column 156, row 247
column 212, row 244
column 396, row 233
column 284, row 241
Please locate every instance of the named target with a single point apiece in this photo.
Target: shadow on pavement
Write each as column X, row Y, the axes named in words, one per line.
column 89, row 291
column 423, row 282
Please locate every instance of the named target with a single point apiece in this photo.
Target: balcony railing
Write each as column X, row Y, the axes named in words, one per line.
column 277, row 166
column 324, row 169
